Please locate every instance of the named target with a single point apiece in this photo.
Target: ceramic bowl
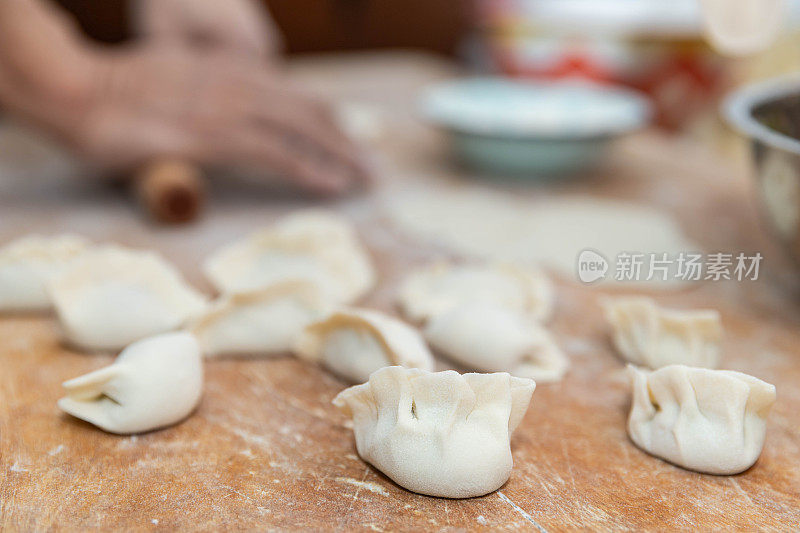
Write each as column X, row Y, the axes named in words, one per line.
column 532, row 129
column 768, row 113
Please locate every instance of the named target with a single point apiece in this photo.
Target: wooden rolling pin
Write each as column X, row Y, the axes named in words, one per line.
column 171, row 191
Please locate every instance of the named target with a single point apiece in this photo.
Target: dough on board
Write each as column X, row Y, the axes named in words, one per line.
column 28, row 264
column 263, row 322
column 438, row 433
column 648, row 335
column 492, row 338
column 353, row 343
column 111, row 296
column 435, row 289
column 480, row 222
column 316, row 246
column 710, row 421
column 487, row 317
column 154, row 383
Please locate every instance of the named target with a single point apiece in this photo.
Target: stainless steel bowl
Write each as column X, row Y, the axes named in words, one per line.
column 768, row 113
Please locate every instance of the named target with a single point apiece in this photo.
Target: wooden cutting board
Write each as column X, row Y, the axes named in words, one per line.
column 266, row 449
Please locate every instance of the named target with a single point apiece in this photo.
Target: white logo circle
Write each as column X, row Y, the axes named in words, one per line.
column 592, row 266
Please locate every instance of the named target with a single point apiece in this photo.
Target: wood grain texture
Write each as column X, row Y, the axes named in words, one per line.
column 266, row 449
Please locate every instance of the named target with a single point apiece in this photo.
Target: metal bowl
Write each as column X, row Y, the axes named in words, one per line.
column 768, row 113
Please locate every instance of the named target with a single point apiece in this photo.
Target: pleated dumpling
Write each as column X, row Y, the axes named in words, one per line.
column 110, row 297
column 263, row 322
column 438, row 433
column 710, row 421
column 491, row 338
column 442, row 286
column 315, row 246
column 648, row 335
column 353, row 343
column 154, row 383
column 28, row 264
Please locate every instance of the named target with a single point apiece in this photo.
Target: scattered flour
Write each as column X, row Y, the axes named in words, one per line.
column 368, row 485
column 16, row 467
column 57, row 450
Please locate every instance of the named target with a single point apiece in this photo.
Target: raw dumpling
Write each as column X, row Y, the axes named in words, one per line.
column 439, row 288
column 711, row 421
column 112, row 296
column 262, row 322
column 353, row 343
column 441, row 434
column 28, row 264
column 648, row 335
column 154, row 383
column 490, row 338
column 314, row 246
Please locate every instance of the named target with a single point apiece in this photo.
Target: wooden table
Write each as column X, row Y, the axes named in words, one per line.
column 266, row 449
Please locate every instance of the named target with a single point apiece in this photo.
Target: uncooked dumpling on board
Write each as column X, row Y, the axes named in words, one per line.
column 154, row 383
column 710, row 421
column 353, row 343
column 111, row 296
column 442, row 286
column 651, row 336
column 28, row 264
column 263, row 322
column 491, row 338
column 314, row 245
column 438, row 433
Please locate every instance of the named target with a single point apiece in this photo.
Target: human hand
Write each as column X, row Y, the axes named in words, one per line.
column 239, row 25
column 212, row 108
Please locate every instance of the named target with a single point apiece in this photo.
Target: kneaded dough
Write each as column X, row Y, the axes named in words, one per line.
column 264, row 322
column 354, row 343
column 492, row 338
column 648, row 335
column 28, row 264
column 111, row 296
column 710, row 421
column 480, row 222
column 438, row 433
column 438, row 288
column 154, row 383
column 313, row 245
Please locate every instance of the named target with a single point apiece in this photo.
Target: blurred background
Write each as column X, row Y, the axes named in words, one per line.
column 593, row 71
column 655, row 46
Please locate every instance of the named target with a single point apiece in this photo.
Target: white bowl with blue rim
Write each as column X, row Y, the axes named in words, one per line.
column 537, row 129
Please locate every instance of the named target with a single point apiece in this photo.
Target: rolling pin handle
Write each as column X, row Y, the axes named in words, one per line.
column 171, row 191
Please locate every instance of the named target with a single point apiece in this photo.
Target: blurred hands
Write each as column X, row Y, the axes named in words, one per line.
column 197, row 88
column 239, row 25
column 214, row 108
